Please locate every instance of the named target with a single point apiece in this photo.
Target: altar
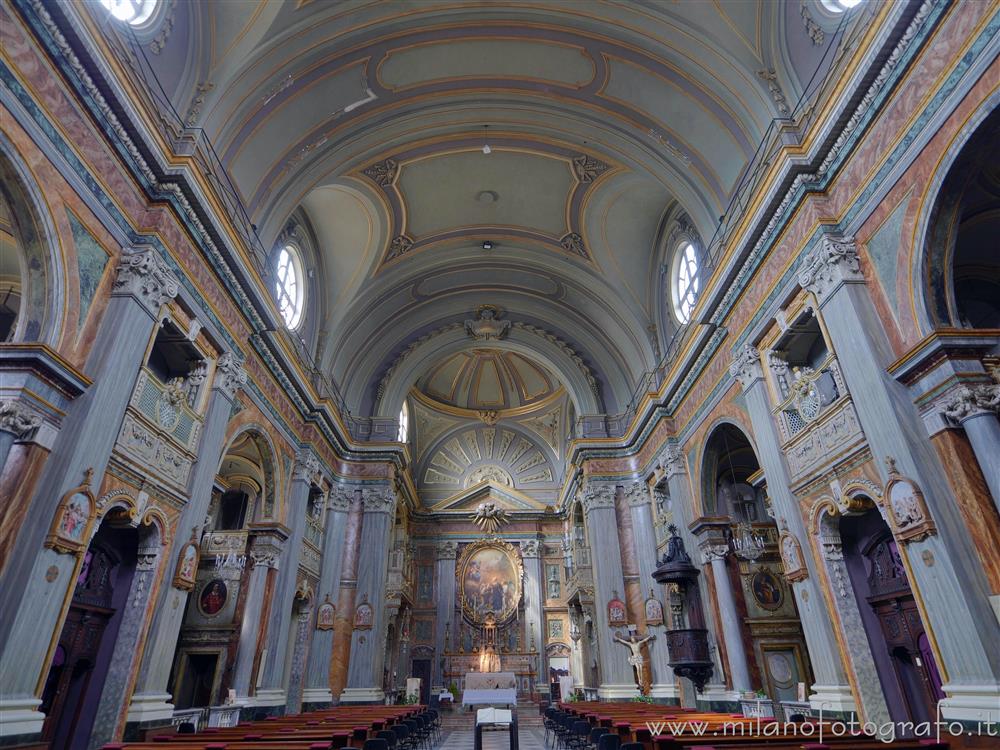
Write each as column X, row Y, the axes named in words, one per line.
column 487, row 688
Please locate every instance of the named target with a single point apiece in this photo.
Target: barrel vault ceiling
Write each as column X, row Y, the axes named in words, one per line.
column 605, row 120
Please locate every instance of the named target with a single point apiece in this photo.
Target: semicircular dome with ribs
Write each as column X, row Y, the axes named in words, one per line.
column 488, row 379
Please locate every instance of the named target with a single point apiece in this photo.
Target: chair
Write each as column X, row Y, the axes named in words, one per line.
column 579, row 735
column 549, row 722
column 403, row 739
column 435, row 723
column 609, row 741
column 632, row 746
column 376, row 744
column 595, row 734
column 389, row 736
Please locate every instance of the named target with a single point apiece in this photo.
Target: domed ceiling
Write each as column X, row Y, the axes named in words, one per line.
column 488, row 379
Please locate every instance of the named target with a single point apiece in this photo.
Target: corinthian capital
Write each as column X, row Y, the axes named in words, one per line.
column 230, row 374
column 446, row 550
column 636, row 493
column 672, row 461
column 530, row 548
column 598, row 496
column 340, row 498
column 381, row 500
column 745, row 366
column 18, row 419
column 307, row 465
column 143, row 274
column 830, row 264
column 967, row 402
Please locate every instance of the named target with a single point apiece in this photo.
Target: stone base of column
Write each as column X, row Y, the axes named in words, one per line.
column 20, row 718
column 268, row 697
column 834, row 699
column 362, row 695
column 149, row 708
column 665, row 690
column 616, row 692
column 971, row 703
column 315, row 698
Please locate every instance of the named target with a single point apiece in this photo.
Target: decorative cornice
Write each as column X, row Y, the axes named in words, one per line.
column 18, row 419
column 746, row 366
column 144, row 275
column 829, row 265
column 230, row 374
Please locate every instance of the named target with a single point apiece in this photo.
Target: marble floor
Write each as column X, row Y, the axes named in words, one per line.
column 458, row 734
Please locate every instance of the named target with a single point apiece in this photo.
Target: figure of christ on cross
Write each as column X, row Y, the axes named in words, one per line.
column 634, row 643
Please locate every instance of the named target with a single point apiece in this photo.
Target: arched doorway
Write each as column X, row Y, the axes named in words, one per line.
column 767, row 649
column 83, row 655
column 900, row 646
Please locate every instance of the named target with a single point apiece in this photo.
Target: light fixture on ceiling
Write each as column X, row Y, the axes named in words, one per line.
column 486, row 143
column 487, row 244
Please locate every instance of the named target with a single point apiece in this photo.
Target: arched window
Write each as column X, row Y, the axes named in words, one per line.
column 839, row 6
column 686, row 281
column 404, row 424
column 134, row 12
column 288, row 285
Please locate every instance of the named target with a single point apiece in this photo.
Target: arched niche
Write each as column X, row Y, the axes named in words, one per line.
column 729, row 475
column 248, row 466
column 959, row 281
column 31, row 266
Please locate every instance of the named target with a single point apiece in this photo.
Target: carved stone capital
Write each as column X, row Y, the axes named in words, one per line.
column 230, row 375
column 530, row 548
column 967, row 402
column 827, row 266
column 382, row 500
column 143, row 274
column 746, row 366
column 672, row 460
column 636, row 493
column 446, row 550
column 307, row 466
column 340, row 498
column 597, row 496
column 18, row 419
column 712, row 551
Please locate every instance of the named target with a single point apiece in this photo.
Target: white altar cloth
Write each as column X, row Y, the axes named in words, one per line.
column 479, row 697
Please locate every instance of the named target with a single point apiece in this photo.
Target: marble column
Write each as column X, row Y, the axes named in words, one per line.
column 265, row 552
column 946, row 577
column 343, row 626
column 644, row 539
column 364, row 674
column 150, row 703
column 272, row 690
column 317, row 692
column 35, row 573
column 974, row 409
column 832, row 690
column 713, row 551
column 444, row 597
column 599, row 510
column 534, row 591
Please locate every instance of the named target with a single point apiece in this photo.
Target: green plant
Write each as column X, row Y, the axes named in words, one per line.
column 453, row 689
column 642, row 699
column 761, row 695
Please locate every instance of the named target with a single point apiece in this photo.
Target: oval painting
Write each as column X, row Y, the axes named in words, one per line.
column 491, row 582
column 213, row 597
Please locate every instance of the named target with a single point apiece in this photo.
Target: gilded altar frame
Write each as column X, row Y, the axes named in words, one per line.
column 468, row 555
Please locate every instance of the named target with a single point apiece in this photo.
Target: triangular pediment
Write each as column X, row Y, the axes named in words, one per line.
column 505, row 497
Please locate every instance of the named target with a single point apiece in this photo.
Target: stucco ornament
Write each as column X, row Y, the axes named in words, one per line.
column 907, row 510
column 144, row 275
column 490, row 517
column 18, row 419
column 487, row 326
column 791, row 556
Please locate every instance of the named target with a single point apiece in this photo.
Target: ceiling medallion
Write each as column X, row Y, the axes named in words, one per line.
column 487, row 196
column 486, row 326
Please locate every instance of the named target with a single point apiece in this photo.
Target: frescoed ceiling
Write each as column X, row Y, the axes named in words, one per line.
column 605, row 120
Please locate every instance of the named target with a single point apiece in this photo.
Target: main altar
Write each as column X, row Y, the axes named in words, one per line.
column 487, row 653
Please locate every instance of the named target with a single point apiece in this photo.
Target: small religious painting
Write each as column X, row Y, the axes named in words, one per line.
column 325, row 615
column 654, row 610
column 73, row 518
column 187, row 565
column 616, row 613
column 910, row 519
column 766, row 590
column 791, row 557
column 555, row 630
column 364, row 616
column 213, row 597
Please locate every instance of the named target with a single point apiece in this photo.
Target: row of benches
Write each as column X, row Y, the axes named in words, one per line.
column 340, row 728
column 638, row 726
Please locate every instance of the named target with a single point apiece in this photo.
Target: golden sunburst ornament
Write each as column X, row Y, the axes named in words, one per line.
column 489, row 517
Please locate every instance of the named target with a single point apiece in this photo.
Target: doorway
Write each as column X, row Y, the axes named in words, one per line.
column 197, row 681
column 422, row 668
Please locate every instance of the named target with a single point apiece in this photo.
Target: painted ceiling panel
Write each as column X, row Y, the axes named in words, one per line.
column 487, row 58
column 447, row 192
